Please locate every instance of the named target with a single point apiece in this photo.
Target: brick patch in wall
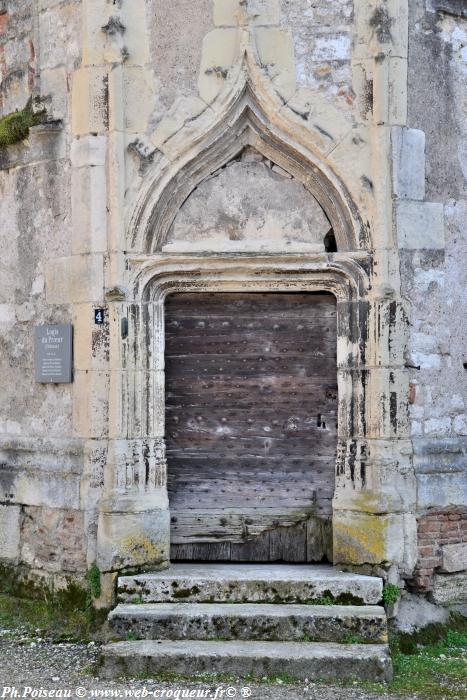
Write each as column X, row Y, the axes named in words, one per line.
column 436, row 529
column 53, row 539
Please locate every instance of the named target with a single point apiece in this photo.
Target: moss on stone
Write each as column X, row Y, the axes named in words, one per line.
column 14, row 127
column 432, row 634
column 94, row 578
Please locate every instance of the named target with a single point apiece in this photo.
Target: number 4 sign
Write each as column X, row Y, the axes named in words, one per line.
column 99, row 316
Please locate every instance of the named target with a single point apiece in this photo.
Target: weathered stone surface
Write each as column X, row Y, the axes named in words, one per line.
column 449, row 589
column 75, row 279
column 408, row 163
column 321, row 90
column 90, row 101
column 219, row 51
column 415, row 612
column 53, row 540
column 276, row 53
column 444, row 489
column 134, row 532
column 392, row 536
column 420, row 225
column 248, row 582
column 9, row 532
column 454, row 557
column 321, row 623
column 298, row 660
column 248, row 206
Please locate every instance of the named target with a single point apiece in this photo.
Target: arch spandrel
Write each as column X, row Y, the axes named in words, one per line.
column 246, row 114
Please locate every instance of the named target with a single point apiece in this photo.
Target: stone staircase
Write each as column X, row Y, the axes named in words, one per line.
column 260, row 620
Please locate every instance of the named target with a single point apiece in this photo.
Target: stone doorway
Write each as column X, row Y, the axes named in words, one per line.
column 251, row 425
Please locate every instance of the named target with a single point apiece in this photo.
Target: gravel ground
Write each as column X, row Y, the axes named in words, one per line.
column 34, row 667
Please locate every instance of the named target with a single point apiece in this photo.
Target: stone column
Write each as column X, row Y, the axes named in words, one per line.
column 374, row 520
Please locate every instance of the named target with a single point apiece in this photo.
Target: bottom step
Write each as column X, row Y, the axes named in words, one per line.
column 299, row 660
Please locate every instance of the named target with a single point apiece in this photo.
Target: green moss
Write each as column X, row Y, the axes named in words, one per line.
column 59, row 617
column 356, row 639
column 94, row 579
column 186, row 592
column 433, row 634
column 65, row 613
column 15, row 127
column 391, row 594
column 137, row 600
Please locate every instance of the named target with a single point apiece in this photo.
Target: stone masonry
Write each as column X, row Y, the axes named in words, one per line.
column 160, row 120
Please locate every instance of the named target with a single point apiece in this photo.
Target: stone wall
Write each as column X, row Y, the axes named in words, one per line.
column 435, row 282
column 134, row 93
column 41, row 459
column 442, row 547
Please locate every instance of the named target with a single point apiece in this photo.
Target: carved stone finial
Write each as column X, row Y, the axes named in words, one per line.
column 116, row 293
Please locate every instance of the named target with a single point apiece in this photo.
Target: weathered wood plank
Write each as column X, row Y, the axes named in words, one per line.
column 251, row 423
column 201, row 551
column 288, row 543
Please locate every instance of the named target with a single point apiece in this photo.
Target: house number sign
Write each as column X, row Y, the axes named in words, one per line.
column 53, row 353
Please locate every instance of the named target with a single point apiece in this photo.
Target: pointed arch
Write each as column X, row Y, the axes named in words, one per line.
column 247, row 114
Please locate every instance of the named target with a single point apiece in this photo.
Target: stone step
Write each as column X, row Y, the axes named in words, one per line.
column 250, row 583
column 250, row 621
column 299, row 660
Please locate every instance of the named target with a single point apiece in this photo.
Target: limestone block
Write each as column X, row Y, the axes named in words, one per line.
column 54, row 87
column 91, row 403
column 325, row 120
column 363, row 87
column 136, row 37
column 108, row 590
column 366, row 538
column 408, row 162
column 88, row 150
column 133, row 532
column 383, row 479
column 138, row 96
column 420, row 225
column 449, row 589
column 75, row 279
column 441, row 490
column 388, row 331
column 42, row 487
column 415, row 612
column 89, row 101
column 90, row 341
column 381, row 28
column 184, row 109
column 89, row 210
column 454, row 557
column 9, row 532
column 220, row 48
column 60, row 36
column 95, row 15
column 388, row 415
column 276, row 53
column 390, row 91
column 228, row 13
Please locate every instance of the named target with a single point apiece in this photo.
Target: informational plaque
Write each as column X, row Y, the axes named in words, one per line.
column 54, row 353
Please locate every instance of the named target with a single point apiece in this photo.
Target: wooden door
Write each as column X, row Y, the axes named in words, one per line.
column 251, row 423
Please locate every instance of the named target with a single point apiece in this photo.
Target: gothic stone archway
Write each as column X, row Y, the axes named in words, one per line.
column 371, row 524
